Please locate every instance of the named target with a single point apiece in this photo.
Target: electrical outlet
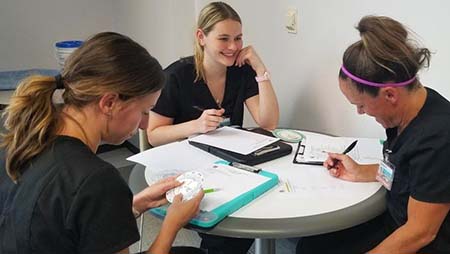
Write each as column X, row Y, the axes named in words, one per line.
column 292, row 20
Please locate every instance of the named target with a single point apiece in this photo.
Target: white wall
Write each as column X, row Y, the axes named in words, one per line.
column 304, row 66
column 164, row 27
column 29, row 29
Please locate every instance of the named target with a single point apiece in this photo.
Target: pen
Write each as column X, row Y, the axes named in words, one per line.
column 224, row 122
column 347, row 150
column 210, row 190
column 198, row 108
column 245, row 167
column 350, row 147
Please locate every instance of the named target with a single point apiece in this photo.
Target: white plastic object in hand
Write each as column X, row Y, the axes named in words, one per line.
column 192, row 184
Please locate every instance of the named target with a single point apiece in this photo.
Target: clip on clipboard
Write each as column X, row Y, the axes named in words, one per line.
column 299, row 156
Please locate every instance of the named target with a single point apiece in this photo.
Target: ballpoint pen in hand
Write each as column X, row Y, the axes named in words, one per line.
column 347, row 150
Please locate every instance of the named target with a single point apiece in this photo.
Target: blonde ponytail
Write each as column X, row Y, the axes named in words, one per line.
column 31, row 123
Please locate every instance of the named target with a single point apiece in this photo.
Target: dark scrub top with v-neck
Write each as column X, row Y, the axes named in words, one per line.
column 421, row 156
column 181, row 98
column 68, row 200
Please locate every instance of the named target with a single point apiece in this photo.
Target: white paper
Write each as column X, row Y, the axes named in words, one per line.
column 178, row 157
column 230, row 183
column 317, row 146
column 174, row 157
column 306, row 190
column 235, row 140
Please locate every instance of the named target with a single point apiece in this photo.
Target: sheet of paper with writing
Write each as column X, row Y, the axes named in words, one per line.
column 315, row 148
column 235, row 140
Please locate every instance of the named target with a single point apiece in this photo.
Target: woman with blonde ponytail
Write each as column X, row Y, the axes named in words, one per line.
column 56, row 195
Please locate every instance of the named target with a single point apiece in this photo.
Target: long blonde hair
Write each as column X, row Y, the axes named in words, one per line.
column 209, row 16
column 104, row 63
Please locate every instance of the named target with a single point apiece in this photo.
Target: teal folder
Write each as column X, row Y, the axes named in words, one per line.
column 211, row 218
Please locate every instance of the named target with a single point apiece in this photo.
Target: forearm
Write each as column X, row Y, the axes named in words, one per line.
column 268, row 106
column 404, row 240
column 169, row 133
column 164, row 240
column 368, row 173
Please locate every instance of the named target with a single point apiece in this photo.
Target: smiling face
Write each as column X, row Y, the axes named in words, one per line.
column 223, row 43
column 378, row 107
column 128, row 117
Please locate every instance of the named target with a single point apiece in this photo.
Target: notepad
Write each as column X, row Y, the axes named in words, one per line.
column 315, row 148
column 234, row 140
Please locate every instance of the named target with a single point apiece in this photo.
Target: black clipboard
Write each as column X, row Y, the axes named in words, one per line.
column 300, row 151
column 270, row 152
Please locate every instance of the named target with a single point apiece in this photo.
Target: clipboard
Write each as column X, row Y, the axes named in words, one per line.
column 316, row 151
column 209, row 219
column 300, row 151
column 270, row 152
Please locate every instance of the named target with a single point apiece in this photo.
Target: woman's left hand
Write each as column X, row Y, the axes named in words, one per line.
column 154, row 195
column 249, row 56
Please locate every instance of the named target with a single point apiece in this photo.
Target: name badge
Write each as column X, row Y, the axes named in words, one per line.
column 385, row 174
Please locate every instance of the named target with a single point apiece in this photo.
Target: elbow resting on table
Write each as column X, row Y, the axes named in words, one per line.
column 272, row 125
column 151, row 138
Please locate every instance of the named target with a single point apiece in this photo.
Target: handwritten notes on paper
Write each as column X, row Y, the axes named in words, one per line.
column 316, row 148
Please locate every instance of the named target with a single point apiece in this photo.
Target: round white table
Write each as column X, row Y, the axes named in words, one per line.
column 317, row 203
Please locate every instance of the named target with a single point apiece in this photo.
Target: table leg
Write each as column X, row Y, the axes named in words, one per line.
column 264, row 246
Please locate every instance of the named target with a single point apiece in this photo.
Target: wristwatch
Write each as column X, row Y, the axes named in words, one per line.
column 264, row 77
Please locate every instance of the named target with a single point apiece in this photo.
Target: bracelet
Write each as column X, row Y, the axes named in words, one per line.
column 136, row 213
column 264, row 77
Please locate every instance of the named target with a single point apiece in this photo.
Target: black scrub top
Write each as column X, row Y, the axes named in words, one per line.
column 181, row 97
column 421, row 156
column 67, row 201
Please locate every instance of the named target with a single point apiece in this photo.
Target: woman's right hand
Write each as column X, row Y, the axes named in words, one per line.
column 343, row 167
column 179, row 212
column 209, row 120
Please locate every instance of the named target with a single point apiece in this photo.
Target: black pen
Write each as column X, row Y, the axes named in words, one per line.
column 350, row 147
column 198, row 108
column 224, row 122
column 347, row 150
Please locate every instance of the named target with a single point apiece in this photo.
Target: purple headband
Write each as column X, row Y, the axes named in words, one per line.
column 369, row 83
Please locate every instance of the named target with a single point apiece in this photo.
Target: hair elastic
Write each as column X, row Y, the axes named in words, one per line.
column 369, row 83
column 59, row 82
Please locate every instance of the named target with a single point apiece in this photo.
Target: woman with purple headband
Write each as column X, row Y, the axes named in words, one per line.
column 379, row 76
